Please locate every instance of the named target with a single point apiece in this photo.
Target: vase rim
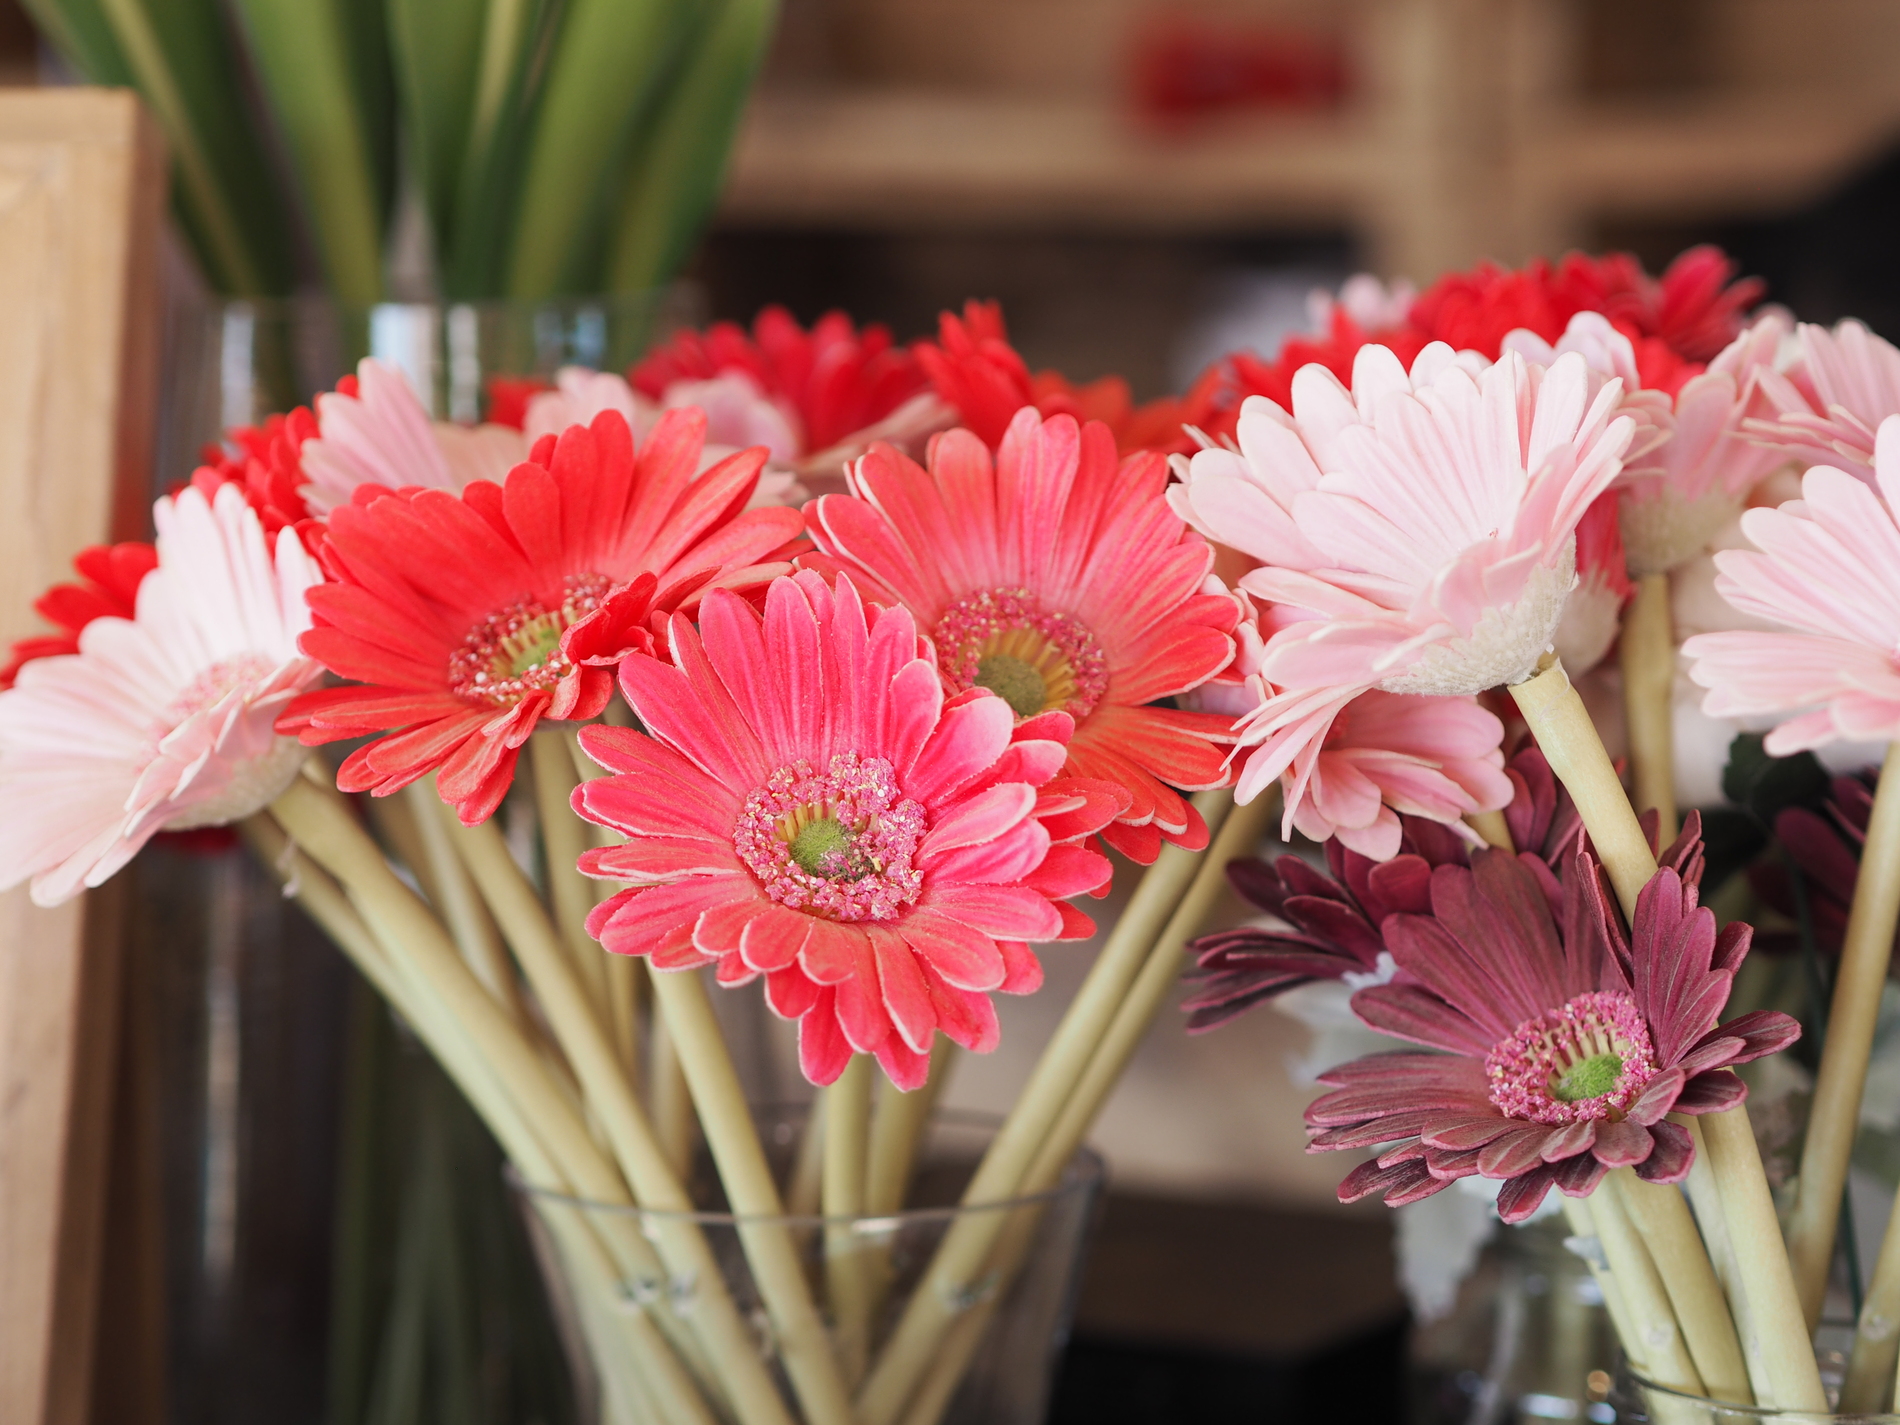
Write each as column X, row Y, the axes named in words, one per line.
column 1082, row 1175
column 1732, row 1408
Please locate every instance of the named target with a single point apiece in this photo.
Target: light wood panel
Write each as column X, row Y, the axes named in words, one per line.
column 81, row 180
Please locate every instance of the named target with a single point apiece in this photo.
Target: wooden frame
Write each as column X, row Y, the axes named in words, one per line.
column 81, row 203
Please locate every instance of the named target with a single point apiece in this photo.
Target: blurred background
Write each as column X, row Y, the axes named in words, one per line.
column 1145, row 186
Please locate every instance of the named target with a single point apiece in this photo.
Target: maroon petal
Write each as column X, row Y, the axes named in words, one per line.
column 1764, row 1031
column 1371, row 1132
column 1674, row 1152
column 1369, row 1178
column 1403, row 885
column 1523, row 1195
column 1622, row 1145
column 1409, row 1012
column 1416, row 1190
column 1336, row 924
column 1711, row 1093
column 1452, row 1165
column 1518, row 1152
column 1579, row 1176
column 1712, row 1053
column 1570, row 1140
column 1658, row 1097
column 1469, row 1133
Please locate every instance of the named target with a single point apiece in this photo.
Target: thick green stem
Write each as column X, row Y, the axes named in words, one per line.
column 1649, row 691
column 846, row 1147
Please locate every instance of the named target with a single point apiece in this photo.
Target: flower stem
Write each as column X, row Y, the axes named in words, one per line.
column 1492, row 826
column 734, row 1140
column 460, row 903
column 1871, row 1365
column 1588, row 1245
column 1665, row 1354
column 1706, row 1198
column 563, row 838
column 1569, row 742
column 960, row 1255
column 846, row 1145
column 1649, row 689
column 1662, row 1218
column 1835, row 1117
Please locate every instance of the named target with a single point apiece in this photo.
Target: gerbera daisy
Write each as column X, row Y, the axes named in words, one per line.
column 1056, row 576
column 1334, row 921
column 1560, row 1042
column 1828, row 574
column 161, row 721
column 1593, row 615
column 466, row 618
column 1825, row 407
column 108, row 587
column 1825, row 846
column 1415, row 533
column 808, row 806
column 975, row 370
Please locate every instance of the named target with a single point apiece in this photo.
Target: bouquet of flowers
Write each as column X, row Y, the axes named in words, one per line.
column 857, row 751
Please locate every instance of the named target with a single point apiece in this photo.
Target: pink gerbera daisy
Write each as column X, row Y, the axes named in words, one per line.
column 1828, row 572
column 1825, row 407
column 468, row 617
column 1415, row 534
column 808, row 806
column 163, row 720
column 1056, row 576
column 1560, row 1042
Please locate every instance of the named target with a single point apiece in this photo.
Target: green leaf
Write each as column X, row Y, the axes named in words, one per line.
column 610, row 62
column 307, row 54
column 1764, row 785
column 679, row 160
column 179, row 57
column 436, row 51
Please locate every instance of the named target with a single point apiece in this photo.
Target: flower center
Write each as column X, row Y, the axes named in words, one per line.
column 517, row 650
column 209, row 688
column 1036, row 662
column 1588, row 1059
column 837, row 843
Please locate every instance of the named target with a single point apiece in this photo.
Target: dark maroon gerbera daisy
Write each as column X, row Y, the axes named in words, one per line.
column 1825, row 847
column 1558, row 1041
column 1333, row 922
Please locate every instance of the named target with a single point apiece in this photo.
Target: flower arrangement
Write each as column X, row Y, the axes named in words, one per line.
column 848, row 674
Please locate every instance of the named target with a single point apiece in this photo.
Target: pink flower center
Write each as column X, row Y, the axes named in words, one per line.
column 1589, row 1059
column 1036, row 662
column 837, row 843
column 210, row 688
column 517, row 650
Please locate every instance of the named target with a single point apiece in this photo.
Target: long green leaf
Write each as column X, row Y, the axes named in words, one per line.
column 178, row 56
column 436, row 50
column 609, row 64
column 303, row 51
column 679, row 161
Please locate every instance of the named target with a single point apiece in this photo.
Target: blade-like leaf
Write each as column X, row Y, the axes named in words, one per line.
column 679, row 159
column 436, row 51
column 609, row 63
column 303, row 51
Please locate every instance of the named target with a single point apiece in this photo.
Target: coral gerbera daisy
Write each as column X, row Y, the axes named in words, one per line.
column 1560, row 1043
column 1056, row 576
column 1415, row 533
column 108, row 587
column 1828, row 574
column 466, row 618
column 161, row 721
column 807, row 805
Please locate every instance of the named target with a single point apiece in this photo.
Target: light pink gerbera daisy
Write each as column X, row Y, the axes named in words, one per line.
column 162, row 721
column 1056, row 576
column 1828, row 572
column 807, row 805
column 1826, row 405
column 1415, row 534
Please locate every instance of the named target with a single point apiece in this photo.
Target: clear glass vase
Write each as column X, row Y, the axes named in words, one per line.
column 1018, row 1315
column 1636, row 1398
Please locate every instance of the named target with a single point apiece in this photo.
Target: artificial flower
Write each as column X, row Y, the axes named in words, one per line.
column 806, row 804
column 465, row 618
column 1825, row 405
column 978, row 373
column 1415, row 533
column 1558, row 1043
column 163, row 720
column 1056, row 576
column 108, row 587
column 1333, row 922
column 1826, row 570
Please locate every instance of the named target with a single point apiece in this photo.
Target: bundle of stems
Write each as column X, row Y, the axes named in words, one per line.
column 553, row 148
column 597, row 1077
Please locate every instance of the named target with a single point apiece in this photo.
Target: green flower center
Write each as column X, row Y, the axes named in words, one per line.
column 1592, row 1078
column 1014, row 681
column 532, row 644
column 826, row 847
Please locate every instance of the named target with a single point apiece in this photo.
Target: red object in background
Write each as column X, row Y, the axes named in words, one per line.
column 1189, row 68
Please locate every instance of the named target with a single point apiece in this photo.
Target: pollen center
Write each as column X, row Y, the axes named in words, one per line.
column 517, row 649
column 1589, row 1058
column 1035, row 661
column 838, row 843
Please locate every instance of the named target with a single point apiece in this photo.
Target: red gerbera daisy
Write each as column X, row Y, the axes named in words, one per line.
column 807, row 805
column 1246, row 374
column 469, row 617
column 1059, row 578
column 1561, row 1043
column 108, row 587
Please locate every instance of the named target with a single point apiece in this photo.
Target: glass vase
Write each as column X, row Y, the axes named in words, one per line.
column 1637, row 1398
column 1022, row 1314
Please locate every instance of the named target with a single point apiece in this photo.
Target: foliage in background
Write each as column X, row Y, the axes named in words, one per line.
column 556, row 146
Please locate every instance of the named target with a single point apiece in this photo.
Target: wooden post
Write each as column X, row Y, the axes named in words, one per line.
column 81, row 201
